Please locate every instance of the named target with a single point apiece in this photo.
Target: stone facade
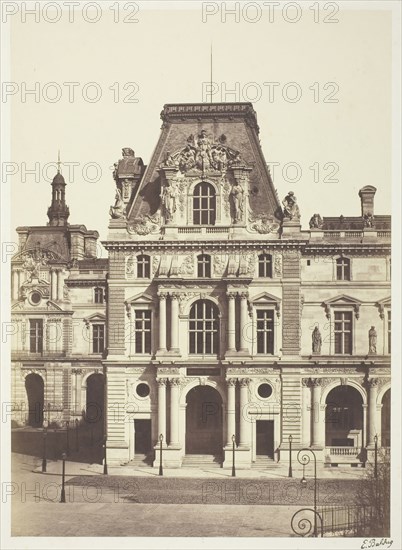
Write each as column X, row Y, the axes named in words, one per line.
column 226, row 321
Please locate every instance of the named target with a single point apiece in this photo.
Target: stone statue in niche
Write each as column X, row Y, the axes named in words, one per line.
column 372, row 341
column 118, row 211
column 316, row 222
column 168, row 200
column 236, row 195
column 316, row 340
column 204, row 151
column 290, row 207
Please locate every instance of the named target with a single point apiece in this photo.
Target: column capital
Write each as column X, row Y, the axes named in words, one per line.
column 231, row 382
column 243, row 294
column 305, row 382
column 373, row 383
column 161, row 381
column 315, row 382
column 231, row 295
column 162, row 295
column 244, row 382
column 174, row 382
column 174, row 295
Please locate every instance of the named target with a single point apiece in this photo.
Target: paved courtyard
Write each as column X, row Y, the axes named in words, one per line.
column 116, row 505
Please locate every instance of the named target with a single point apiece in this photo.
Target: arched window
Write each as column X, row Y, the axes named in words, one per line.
column 265, row 265
column 343, row 269
column 204, row 204
column 204, row 328
column 203, row 265
column 143, row 266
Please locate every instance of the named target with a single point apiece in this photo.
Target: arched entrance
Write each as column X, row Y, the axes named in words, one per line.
column 35, row 389
column 204, row 423
column 95, row 401
column 386, row 419
column 344, row 417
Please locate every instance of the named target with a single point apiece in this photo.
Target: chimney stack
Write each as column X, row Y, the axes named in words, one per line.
column 366, row 195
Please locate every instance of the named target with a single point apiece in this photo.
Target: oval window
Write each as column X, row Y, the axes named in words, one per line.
column 265, row 391
column 142, row 390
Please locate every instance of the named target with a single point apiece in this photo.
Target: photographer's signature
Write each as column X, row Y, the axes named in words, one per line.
column 376, row 543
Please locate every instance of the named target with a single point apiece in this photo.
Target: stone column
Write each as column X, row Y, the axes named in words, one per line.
column 162, row 321
column 316, row 437
column 306, row 407
column 364, row 428
column 372, row 411
column 59, row 285
column 243, row 321
column 162, row 408
column 53, row 284
column 174, row 411
column 231, row 333
column 231, row 411
column 174, row 323
column 244, row 420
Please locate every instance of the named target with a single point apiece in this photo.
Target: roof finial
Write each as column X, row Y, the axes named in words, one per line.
column 58, row 163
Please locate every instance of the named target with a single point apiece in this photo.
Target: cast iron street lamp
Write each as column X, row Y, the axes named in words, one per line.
column 304, row 524
column 77, row 447
column 63, row 475
column 160, row 455
column 44, row 459
column 67, row 437
column 104, row 457
column 233, row 456
column 290, row 456
column 375, row 455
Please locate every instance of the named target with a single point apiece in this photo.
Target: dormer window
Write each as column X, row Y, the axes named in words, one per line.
column 204, row 204
column 265, row 265
column 98, row 295
column 343, row 269
column 204, row 265
column 143, row 266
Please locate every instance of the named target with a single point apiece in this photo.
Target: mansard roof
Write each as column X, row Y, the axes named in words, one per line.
column 229, row 126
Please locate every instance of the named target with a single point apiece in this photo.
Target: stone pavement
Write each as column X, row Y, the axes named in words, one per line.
column 88, row 511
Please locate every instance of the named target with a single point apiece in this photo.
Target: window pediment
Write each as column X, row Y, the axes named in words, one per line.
column 267, row 299
column 95, row 318
column 342, row 301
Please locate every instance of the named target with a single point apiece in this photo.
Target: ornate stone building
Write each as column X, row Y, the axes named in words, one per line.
column 225, row 319
column 58, row 313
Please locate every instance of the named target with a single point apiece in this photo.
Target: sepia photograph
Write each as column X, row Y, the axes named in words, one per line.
column 200, row 205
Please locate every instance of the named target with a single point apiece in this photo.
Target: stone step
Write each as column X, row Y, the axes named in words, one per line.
column 142, row 461
column 201, row 460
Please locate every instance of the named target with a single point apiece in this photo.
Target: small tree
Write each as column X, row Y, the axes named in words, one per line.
column 375, row 496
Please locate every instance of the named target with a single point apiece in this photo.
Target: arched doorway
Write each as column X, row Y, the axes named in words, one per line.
column 204, row 421
column 344, row 417
column 95, row 401
column 386, row 419
column 35, row 389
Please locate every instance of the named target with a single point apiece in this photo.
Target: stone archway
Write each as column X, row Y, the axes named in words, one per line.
column 386, row 419
column 344, row 417
column 35, row 389
column 204, row 422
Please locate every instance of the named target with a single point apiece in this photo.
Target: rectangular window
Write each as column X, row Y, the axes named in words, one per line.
column 36, row 335
column 265, row 265
column 265, row 331
column 343, row 269
column 98, row 295
column 98, row 338
column 142, row 331
column 343, row 330
column 389, row 330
